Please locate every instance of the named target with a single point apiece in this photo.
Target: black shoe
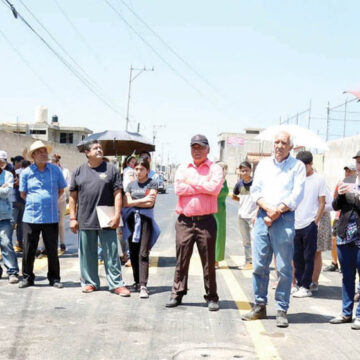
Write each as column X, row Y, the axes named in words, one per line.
column 332, row 267
column 341, row 319
column 173, row 302
column 1, row 272
column 25, row 283
column 257, row 312
column 281, row 319
column 57, row 284
column 213, row 305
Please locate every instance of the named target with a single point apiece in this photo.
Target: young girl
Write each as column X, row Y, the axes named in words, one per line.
column 140, row 228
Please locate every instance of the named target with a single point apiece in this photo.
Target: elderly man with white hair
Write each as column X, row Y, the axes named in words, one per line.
column 277, row 189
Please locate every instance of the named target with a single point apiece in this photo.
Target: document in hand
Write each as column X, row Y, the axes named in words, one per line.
column 105, row 215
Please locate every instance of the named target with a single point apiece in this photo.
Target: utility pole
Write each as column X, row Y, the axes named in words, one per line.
column 155, row 131
column 327, row 121
column 131, row 79
column 345, row 109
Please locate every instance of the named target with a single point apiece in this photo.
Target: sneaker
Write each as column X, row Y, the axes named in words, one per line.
column 302, row 292
column 173, row 302
column 281, row 319
column 257, row 312
column 213, row 305
column 294, row 289
column 314, row 287
column 144, row 293
column 332, row 267
column 247, row 266
column 341, row 319
column 57, row 284
column 88, row 289
column 25, row 283
column 13, row 279
column 356, row 324
column 122, row 291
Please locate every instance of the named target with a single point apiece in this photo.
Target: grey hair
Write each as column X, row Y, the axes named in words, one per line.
column 291, row 137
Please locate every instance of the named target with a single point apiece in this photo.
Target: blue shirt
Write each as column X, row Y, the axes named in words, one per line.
column 42, row 190
column 6, row 177
column 279, row 183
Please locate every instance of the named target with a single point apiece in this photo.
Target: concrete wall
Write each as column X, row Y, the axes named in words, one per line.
column 15, row 144
column 340, row 154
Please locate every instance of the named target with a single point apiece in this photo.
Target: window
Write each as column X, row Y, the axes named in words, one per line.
column 66, row 138
column 39, row 132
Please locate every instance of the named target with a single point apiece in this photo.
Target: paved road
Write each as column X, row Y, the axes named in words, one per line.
column 46, row 323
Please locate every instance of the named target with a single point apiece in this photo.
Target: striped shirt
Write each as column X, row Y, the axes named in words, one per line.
column 42, row 189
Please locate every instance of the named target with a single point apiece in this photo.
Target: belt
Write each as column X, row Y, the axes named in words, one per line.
column 195, row 218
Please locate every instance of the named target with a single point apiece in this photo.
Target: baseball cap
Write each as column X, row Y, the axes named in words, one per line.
column 199, row 139
column 357, row 155
column 3, row 155
column 350, row 167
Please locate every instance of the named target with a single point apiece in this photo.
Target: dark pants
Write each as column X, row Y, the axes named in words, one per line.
column 305, row 244
column 31, row 233
column 349, row 258
column 202, row 232
column 139, row 252
column 17, row 214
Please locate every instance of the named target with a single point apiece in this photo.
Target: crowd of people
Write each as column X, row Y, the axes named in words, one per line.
column 284, row 219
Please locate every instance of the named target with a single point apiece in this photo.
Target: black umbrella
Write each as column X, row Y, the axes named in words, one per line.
column 119, row 142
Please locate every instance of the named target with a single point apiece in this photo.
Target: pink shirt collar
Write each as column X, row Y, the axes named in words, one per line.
column 207, row 163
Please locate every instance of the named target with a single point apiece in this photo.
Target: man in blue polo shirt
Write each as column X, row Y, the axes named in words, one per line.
column 40, row 186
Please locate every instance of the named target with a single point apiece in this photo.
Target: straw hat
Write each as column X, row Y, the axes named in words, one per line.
column 36, row 145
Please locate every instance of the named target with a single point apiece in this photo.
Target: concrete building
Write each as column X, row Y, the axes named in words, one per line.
column 237, row 147
column 52, row 132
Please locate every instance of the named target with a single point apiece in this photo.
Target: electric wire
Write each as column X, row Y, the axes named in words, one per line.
column 174, row 52
column 76, row 30
column 23, row 59
column 171, row 67
column 74, row 71
column 80, row 68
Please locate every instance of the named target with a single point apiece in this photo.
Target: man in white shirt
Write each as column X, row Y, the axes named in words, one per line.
column 307, row 218
column 278, row 188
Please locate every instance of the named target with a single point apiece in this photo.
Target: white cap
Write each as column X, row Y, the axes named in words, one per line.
column 3, row 155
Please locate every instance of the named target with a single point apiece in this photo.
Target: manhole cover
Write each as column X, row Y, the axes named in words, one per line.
column 215, row 353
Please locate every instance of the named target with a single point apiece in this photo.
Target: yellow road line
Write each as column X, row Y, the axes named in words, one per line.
column 154, row 260
column 262, row 343
column 40, row 263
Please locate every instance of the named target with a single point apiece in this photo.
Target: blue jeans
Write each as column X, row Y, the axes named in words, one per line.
column 277, row 239
column 305, row 245
column 349, row 258
column 8, row 253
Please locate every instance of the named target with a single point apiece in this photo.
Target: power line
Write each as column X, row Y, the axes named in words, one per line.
column 153, row 49
column 61, row 59
column 76, row 30
column 85, row 74
column 23, row 59
column 174, row 52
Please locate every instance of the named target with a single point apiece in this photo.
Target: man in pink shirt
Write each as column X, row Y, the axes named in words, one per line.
column 197, row 184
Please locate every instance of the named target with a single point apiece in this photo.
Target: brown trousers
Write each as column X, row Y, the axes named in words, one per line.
column 202, row 231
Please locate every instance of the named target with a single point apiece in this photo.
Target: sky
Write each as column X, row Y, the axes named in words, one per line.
column 240, row 64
